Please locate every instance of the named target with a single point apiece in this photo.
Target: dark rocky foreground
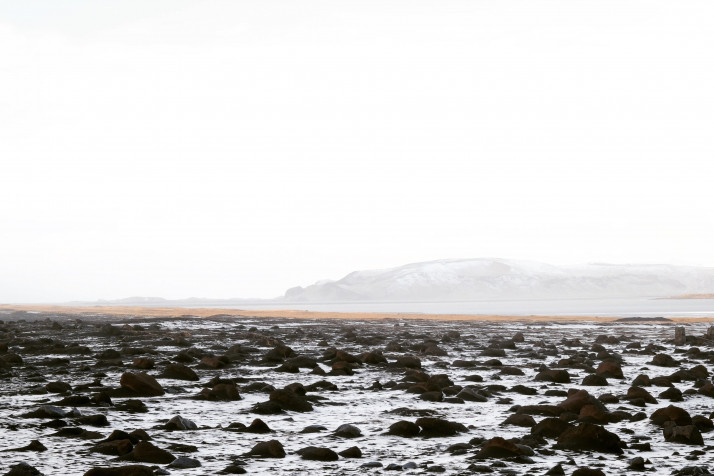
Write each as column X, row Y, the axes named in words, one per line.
column 230, row 395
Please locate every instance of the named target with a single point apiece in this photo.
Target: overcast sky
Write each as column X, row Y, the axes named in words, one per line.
column 238, row 148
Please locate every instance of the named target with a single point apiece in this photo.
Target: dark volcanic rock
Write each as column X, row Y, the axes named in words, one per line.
column 589, row 437
column 179, row 372
column 404, row 428
column 672, row 413
column 348, row 431
column 550, row 427
column 145, row 452
column 23, row 469
column 58, row 387
column 499, row 448
column 664, row 360
column 553, row 375
column 520, row 420
column 290, row 400
column 687, row 434
column 141, row 383
column 317, row 454
column 639, row 392
column 267, row 449
column 131, row 470
column 593, row 380
column 408, row 361
column 34, row 445
column 578, row 399
column 610, row 369
column 221, row 391
column 351, row 452
column 179, row 423
column 437, row 427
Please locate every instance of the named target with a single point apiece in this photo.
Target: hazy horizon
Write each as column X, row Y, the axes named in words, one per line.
column 180, row 148
column 385, row 277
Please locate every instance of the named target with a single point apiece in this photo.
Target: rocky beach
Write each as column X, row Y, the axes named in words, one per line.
column 146, row 392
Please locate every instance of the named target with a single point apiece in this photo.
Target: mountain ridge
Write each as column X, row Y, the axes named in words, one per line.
column 497, row 278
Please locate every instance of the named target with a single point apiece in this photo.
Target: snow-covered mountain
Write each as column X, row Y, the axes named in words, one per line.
column 487, row 278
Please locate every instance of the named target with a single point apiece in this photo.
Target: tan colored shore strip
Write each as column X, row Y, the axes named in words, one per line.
column 298, row 314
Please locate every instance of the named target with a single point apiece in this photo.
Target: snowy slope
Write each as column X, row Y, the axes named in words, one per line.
column 486, row 278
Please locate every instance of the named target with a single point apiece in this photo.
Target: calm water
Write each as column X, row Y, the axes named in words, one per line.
column 629, row 307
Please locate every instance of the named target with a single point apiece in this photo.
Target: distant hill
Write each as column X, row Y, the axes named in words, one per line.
column 494, row 279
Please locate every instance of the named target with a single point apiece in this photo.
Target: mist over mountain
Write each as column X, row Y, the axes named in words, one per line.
column 488, row 278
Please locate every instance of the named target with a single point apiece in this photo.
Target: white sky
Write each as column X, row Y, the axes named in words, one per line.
column 238, row 148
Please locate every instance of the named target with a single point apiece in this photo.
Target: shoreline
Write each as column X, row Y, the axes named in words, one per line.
column 139, row 311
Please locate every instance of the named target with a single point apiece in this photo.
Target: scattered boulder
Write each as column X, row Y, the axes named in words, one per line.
column 553, row 375
column 348, row 431
column 290, row 400
column 520, row 419
column 179, row 372
column 686, row 434
column 404, row 428
column 678, row 415
column 498, row 447
column 141, row 384
column 550, row 427
column 437, row 427
column 146, row 452
column 184, row 462
column 664, row 360
column 589, row 437
column 221, row 392
column 351, row 452
column 179, row 423
column 267, row 449
column 610, row 369
column 23, row 469
column 316, row 453
column 131, row 470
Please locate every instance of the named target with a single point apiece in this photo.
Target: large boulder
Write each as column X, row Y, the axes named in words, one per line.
column 290, row 400
column 550, row 427
column 553, row 375
column 267, row 449
column 179, row 423
column 678, row 415
column 131, row 470
column 23, row 469
column 520, row 419
column 609, row 369
column 437, row 427
column 408, row 361
column 640, row 393
column 141, row 383
column 179, row 372
column 145, row 452
column 498, row 447
column 686, row 434
column 348, row 431
column 589, row 437
column 222, row 392
column 664, row 360
column 578, row 399
column 404, row 428
column 317, row 454
column 707, row 389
